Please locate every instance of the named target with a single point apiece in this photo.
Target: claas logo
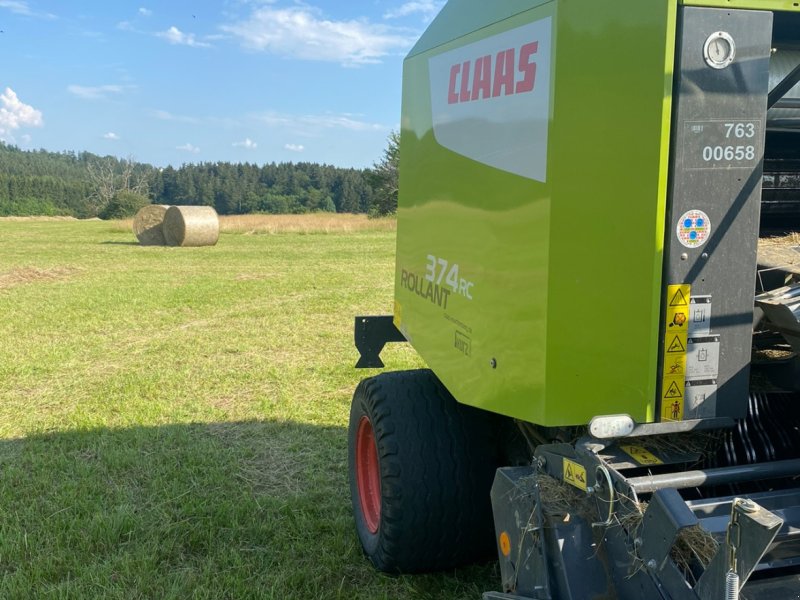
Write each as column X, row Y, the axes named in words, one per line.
column 492, row 76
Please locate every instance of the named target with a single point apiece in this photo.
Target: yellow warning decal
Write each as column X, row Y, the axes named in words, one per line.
column 641, row 455
column 676, row 337
column 676, row 345
column 675, row 365
column 575, row 474
column 672, row 392
column 678, row 295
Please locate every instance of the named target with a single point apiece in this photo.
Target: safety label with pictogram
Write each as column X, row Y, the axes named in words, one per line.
column 641, row 455
column 676, row 338
column 575, row 474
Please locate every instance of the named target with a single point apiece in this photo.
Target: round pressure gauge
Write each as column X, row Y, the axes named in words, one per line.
column 719, row 50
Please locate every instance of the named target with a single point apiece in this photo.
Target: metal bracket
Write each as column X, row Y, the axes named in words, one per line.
column 759, row 527
column 371, row 335
column 666, row 516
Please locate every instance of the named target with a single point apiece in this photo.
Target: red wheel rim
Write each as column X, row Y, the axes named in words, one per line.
column 368, row 475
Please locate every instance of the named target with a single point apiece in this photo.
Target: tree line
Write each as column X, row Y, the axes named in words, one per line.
column 87, row 185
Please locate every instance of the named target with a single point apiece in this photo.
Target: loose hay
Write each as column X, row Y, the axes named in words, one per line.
column 559, row 498
column 312, row 223
column 191, row 226
column 694, row 544
column 147, row 225
column 25, row 275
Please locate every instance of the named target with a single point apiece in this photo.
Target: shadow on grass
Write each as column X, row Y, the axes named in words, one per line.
column 111, row 243
column 229, row 510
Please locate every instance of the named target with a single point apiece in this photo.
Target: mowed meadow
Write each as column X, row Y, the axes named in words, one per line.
column 173, row 420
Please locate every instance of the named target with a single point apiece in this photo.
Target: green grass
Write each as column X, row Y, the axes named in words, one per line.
column 173, row 421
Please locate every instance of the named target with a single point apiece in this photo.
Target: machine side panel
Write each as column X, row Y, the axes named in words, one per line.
column 559, row 260
column 471, row 281
column 459, row 18
column 609, row 159
column 713, row 224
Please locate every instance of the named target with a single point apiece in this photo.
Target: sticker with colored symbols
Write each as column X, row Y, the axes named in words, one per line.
column 694, row 228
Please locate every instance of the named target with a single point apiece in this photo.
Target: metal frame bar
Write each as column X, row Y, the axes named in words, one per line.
column 780, row 90
column 738, row 474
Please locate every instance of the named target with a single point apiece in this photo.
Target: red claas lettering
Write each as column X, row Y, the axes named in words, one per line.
column 493, row 76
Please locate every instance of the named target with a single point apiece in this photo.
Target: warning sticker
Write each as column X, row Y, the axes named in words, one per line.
column 694, row 228
column 672, row 398
column 641, row 455
column 673, row 391
column 575, row 474
column 678, row 295
column 675, row 365
column 677, row 319
column 676, row 345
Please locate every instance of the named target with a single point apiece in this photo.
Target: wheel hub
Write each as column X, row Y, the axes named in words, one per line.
column 368, row 477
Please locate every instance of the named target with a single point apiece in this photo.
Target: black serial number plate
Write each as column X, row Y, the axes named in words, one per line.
column 722, row 144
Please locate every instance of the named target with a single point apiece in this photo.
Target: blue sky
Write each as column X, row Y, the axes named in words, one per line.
column 176, row 81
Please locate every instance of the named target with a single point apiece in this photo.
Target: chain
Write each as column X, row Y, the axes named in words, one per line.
column 734, row 539
column 733, row 536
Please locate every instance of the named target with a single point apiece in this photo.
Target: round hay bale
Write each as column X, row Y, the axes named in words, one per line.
column 147, row 225
column 191, row 226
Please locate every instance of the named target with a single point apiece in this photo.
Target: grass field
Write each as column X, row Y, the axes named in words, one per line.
column 173, row 420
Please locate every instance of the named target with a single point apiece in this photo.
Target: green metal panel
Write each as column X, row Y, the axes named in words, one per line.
column 785, row 5
column 461, row 17
column 563, row 267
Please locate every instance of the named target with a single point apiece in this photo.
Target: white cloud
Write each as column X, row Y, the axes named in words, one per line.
column 273, row 119
column 145, row 12
column 295, row 147
column 168, row 116
column 188, row 148
column 247, row 143
column 15, row 114
column 177, row 37
column 331, row 121
column 16, row 6
column 110, row 136
column 97, row 92
column 427, row 8
column 21, row 7
column 308, row 124
column 299, row 32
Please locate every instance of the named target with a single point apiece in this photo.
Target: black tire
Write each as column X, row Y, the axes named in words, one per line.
column 436, row 463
